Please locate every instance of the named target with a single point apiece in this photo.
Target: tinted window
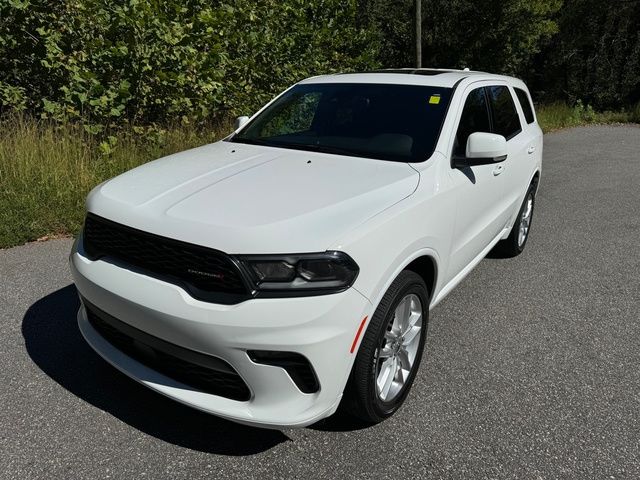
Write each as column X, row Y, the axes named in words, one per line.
column 505, row 116
column 390, row 122
column 475, row 118
column 523, row 98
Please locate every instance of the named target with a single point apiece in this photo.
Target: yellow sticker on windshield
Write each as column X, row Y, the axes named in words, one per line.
column 434, row 99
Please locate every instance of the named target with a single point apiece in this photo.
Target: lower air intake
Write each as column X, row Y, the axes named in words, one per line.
column 202, row 372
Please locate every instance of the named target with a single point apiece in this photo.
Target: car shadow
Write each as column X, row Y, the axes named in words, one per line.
column 340, row 422
column 55, row 344
column 497, row 253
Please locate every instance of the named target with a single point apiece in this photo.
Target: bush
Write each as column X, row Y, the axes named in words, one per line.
column 560, row 115
column 141, row 62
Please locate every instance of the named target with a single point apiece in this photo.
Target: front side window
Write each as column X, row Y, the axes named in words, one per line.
column 525, row 103
column 475, row 118
column 506, row 121
column 389, row 122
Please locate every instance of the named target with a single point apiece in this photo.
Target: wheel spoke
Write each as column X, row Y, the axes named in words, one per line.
column 401, row 314
column 385, row 371
column 411, row 335
column 387, row 381
column 416, row 316
column 403, row 357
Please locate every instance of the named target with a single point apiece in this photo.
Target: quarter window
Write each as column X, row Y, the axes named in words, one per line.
column 525, row 103
column 475, row 118
column 506, row 121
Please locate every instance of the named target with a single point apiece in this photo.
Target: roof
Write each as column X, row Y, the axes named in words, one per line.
column 435, row 77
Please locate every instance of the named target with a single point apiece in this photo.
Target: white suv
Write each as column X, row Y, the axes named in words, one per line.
column 290, row 268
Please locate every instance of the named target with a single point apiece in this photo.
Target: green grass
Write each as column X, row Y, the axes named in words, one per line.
column 47, row 169
column 556, row 116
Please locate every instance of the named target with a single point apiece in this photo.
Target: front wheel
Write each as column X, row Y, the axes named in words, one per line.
column 391, row 350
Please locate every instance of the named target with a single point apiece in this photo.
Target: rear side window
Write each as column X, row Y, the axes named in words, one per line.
column 475, row 118
column 506, row 121
column 525, row 103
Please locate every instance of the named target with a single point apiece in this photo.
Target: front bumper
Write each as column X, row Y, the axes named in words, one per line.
column 320, row 328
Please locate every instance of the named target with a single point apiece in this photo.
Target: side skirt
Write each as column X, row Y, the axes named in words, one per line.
column 444, row 291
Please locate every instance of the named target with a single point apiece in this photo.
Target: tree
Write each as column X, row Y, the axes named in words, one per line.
column 494, row 36
column 595, row 57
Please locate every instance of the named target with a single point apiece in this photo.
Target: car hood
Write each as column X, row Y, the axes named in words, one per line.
column 252, row 199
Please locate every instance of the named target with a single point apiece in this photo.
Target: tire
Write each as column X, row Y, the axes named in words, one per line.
column 363, row 397
column 514, row 244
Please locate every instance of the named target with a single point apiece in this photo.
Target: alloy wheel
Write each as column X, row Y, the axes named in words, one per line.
column 395, row 357
column 525, row 221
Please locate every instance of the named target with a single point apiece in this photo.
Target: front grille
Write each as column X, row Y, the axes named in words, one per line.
column 194, row 369
column 205, row 273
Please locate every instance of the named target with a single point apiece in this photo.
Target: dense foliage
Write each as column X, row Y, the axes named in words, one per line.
column 499, row 36
column 154, row 61
column 566, row 50
column 176, row 70
column 595, row 57
column 142, row 63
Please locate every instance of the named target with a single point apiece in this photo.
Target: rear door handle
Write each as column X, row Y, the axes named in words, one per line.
column 498, row 170
column 531, row 149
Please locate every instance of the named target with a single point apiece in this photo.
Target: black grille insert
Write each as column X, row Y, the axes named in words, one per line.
column 207, row 274
column 194, row 369
column 296, row 365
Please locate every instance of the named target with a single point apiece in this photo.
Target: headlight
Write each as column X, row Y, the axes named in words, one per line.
column 325, row 272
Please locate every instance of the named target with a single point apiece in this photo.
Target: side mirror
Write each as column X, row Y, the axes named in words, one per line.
column 483, row 149
column 240, row 121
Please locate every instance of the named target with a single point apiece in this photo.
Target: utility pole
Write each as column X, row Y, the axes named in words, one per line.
column 418, row 33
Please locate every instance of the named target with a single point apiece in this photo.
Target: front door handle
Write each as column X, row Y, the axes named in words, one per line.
column 498, row 170
column 531, row 149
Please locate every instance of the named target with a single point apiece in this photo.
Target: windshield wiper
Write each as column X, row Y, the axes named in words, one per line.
column 252, row 141
column 328, row 149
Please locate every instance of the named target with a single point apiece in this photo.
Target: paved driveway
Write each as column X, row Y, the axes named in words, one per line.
column 532, row 368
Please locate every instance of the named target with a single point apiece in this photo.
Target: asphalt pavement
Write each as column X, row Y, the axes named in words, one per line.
column 531, row 368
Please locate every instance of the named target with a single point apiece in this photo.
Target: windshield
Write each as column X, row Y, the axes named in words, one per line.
column 388, row 122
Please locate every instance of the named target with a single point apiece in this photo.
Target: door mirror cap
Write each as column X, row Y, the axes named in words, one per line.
column 240, row 122
column 483, row 149
column 488, row 146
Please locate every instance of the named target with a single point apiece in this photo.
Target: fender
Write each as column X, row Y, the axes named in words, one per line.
column 382, row 287
column 361, row 330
